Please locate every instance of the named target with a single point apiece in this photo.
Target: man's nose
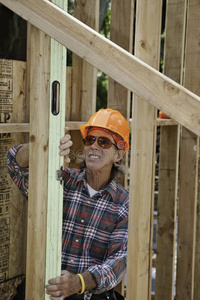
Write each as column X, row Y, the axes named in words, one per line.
column 95, row 144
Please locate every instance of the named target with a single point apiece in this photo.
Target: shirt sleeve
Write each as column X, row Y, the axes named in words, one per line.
column 112, row 271
column 18, row 174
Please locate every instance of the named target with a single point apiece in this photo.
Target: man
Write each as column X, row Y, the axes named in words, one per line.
column 95, row 210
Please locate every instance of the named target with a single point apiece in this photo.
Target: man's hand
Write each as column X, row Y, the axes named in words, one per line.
column 65, row 144
column 65, row 285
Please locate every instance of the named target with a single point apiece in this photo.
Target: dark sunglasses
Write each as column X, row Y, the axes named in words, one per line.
column 102, row 141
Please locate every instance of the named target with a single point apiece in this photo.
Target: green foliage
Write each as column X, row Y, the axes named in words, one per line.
column 106, row 24
column 102, row 90
column 162, row 52
column 102, row 79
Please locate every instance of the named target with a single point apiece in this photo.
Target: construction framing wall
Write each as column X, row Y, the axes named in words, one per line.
column 163, row 230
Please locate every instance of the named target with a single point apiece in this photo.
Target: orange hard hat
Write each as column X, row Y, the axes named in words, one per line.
column 111, row 120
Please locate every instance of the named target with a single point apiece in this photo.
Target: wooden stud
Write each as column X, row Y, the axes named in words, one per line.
column 166, row 122
column 84, row 74
column 174, row 100
column 187, row 216
column 143, row 137
column 55, row 162
column 187, row 283
column 84, row 77
column 121, row 33
column 197, row 248
column 25, row 127
column 38, row 76
column 168, row 159
column 167, row 209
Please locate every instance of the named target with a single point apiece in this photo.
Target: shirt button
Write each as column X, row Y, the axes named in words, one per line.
column 71, row 260
column 82, row 221
column 77, row 241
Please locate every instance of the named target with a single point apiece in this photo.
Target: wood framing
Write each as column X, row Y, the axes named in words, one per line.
column 143, row 137
column 84, row 78
column 167, row 209
column 38, row 77
column 127, row 73
column 25, row 127
column 143, row 80
column 55, row 162
column 121, row 33
column 169, row 158
column 189, row 156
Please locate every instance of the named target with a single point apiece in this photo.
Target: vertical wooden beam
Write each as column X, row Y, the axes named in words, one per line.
column 38, row 63
column 197, row 248
column 56, row 132
column 147, row 48
column 187, row 216
column 121, row 33
column 84, row 74
column 168, row 160
column 84, row 77
column 167, row 208
column 187, row 282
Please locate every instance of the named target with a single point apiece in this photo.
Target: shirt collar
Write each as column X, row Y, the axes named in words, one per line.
column 111, row 187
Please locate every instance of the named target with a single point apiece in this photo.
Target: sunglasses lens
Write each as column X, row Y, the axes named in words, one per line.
column 104, row 143
column 89, row 140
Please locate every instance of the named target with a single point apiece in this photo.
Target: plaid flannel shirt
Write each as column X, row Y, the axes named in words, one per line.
column 95, row 233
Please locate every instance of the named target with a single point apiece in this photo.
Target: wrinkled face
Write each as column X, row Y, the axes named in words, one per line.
column 97, row 158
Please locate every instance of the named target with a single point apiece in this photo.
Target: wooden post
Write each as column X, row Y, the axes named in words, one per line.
column 143, row 137
column 121, row 33
column 84, row 77
column 174, row 100
column 189, row 155
column 167, row 208
column 55, row 163
column 169, row 157
column 38, row 76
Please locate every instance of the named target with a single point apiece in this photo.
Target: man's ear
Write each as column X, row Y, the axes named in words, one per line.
column 119, row 155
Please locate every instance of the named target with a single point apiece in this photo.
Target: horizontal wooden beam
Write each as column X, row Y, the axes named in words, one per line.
column 73, row 125
column 143, row 80
column 14, row 127
column 161, row 122
column 166, row 122
column 25, row 127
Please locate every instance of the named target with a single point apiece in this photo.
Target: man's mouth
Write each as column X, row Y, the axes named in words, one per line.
column 93, row 156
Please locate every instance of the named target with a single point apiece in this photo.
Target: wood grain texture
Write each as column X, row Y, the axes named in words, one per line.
column 169, row 157
column 38, row 78
column 143, row 137
column 155, row 88
column 55, row 161
column 187, row 281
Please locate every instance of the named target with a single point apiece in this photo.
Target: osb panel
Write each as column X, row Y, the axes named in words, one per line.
column 8, row 289
column 12, row 204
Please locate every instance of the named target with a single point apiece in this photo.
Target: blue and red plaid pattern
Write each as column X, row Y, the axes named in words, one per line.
column 95, row 233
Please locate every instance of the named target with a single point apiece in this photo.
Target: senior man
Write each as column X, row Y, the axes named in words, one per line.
column 95, row 210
